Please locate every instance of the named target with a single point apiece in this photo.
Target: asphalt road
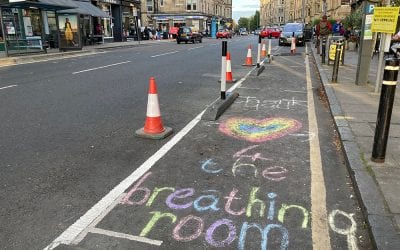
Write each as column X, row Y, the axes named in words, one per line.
column 67, row 139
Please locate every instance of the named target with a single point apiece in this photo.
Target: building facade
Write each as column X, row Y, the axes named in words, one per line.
column 277, row 12
column 203, row 15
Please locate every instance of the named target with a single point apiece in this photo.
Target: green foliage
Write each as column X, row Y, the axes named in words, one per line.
column 315, row 22
column 243, row 22
column 255, row 21
column 354, row 20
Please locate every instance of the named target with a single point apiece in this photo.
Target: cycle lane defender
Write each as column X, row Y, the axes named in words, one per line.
column 243, row 183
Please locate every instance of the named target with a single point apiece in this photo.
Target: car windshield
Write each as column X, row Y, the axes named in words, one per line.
column 185, row 30
column 292, row 28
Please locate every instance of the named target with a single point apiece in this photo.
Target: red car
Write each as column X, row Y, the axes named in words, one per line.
column 270, row 33
column 223, row 34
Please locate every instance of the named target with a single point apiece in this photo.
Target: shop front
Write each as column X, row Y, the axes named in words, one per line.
column 166, row 22
column 130, row 20
column 25, row 26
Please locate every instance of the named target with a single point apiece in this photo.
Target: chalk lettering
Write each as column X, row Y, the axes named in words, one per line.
column 252, row 201
column 285, row 207
column 213, row 206
column 182, row 222
column 226, row 242
column 228, row 203
column 350, row 232
column 241, row 154
column 156, row 191
column 264, row 233
column 237, row 165
column 275, row 173
column 180, row 194
column 136, row 188
column 208, row 167
column 156, row 217
column 271, row 210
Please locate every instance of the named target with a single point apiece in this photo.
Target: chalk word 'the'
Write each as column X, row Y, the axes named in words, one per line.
column 272, row 173
column 179, row 199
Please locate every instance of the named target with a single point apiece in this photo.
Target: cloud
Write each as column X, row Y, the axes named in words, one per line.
column 244, row 8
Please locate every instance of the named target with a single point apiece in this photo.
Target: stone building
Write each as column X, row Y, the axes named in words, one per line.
column 200, row 14
column 277, row 12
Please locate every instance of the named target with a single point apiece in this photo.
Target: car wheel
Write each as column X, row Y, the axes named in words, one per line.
column 201, row 40
column 178, row 42
column 279, row 44
column 186, row 42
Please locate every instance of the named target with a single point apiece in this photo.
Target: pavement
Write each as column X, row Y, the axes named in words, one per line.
column 354, row 109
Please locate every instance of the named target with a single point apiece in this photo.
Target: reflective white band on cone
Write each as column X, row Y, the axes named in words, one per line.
column 389, row 83
column 153, row 109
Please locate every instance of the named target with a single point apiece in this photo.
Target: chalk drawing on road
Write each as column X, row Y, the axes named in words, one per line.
column 349, row 232
column 253, row 103
column 256, row 131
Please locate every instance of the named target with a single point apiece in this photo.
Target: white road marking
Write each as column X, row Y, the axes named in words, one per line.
column 73, row 234
column 196, row 48
column 102, row 67
column 319, row 219
column 126, row 236
column 164, row 54
column 7, row 87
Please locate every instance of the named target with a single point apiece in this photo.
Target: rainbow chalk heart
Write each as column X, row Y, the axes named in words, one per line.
column 254, row 130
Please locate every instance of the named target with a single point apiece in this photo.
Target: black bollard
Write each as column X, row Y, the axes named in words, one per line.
column 385, row 109
column 259, row 51
column 323, row 52
column 223, row 69
column 335, row 71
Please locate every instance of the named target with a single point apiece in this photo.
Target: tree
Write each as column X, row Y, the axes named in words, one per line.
column 255, row 21
column 243, row 22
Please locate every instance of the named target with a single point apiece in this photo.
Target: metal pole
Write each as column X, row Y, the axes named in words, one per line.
column 343, row 50
column 269, row 50
column 323, row 52
column 259, row 51
column 385, row 109
column 336, row 62
column 223, row 69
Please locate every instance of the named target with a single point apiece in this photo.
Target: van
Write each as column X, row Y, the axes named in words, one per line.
column 187, row 34
column 291, row 30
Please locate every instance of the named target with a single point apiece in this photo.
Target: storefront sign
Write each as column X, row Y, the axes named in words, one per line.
column 367, row 28
column 111, row 1
column 385, row 19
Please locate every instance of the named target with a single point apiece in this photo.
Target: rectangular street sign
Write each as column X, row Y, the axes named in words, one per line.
column 385, row 19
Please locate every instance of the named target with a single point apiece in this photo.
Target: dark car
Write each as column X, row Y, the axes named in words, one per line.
column 291, row 30
column 270, row 33
column 186, row 34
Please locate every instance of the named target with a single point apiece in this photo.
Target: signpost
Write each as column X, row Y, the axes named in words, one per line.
column 384, row 21
column 366, row 45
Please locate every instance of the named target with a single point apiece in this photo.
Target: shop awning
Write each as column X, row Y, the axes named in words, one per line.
column 86, row 8
column 40, row 4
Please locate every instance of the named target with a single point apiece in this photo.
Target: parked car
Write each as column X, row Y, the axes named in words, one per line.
column 186, row 34
column 243, row 32
column 291, row 30
column 270, row 33
column 224, row 33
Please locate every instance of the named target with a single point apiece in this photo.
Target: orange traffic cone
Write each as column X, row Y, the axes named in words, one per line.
column 263, row 50
column 293, row 46
column 229, row 78
column 153, row 127
column 249, row 60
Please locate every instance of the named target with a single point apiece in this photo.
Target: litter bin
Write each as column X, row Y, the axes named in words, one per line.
column 333, row 40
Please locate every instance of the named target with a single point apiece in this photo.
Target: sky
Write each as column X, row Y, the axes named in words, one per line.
column 244, row 8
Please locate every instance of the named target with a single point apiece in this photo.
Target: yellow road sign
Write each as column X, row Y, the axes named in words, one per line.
column 385, row 19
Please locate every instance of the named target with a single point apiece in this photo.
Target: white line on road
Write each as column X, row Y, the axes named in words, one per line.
column 102, row 67
column 319, row 219
column 196, row 48
column 7, row 87
column 126, row 236
column 164, row 54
